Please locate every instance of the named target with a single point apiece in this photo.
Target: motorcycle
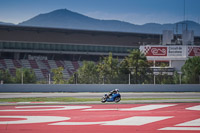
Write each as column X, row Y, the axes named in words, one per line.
column 113, row 98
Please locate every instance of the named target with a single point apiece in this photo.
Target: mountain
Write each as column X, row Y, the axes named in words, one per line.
column 64, row 18
column 4, row 23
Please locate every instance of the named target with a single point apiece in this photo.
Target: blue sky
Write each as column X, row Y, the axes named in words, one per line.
column 133, row 11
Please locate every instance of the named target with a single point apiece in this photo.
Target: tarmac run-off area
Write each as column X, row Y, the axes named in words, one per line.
column 101, row 118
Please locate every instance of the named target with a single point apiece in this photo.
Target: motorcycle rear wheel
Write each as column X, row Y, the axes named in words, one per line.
column 117, row 99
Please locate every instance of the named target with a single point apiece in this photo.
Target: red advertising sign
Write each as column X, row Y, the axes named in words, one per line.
column 193, row 51
column 156, row 51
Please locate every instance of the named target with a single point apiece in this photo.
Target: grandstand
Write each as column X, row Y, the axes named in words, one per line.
column 43, row 49
column 41, row 67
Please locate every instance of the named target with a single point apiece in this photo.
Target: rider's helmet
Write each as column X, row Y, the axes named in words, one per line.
column 116, row 90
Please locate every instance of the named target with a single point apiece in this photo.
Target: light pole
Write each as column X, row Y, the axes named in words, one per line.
column 180, row 77
column 131, row 72
column 49, row 78
column 22, row 76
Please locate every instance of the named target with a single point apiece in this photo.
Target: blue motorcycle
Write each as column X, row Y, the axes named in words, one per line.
column 113, row 98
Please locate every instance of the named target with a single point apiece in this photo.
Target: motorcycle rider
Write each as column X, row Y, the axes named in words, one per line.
column 115, row 91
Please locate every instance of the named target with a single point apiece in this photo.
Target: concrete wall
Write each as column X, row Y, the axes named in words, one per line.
column 177, row 64
column 98, row 88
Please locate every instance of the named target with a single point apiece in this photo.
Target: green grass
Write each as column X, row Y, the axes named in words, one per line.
column 158, row 98
column 71, row 99
column 43, row 99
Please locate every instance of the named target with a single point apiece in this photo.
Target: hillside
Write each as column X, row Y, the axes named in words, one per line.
column 64, row 18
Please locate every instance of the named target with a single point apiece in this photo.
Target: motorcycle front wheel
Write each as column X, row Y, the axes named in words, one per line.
column 103, row 99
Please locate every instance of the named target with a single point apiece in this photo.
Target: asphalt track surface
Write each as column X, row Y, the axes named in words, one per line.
column 99, row 95
column 101, row 118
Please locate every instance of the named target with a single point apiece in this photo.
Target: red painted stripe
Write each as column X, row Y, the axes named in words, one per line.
column 177, row 114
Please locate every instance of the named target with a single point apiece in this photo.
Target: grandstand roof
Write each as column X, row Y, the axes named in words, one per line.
column 75, row 36
column 56, row 35
column 26, row 39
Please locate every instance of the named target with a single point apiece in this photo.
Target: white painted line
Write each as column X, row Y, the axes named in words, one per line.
column 131, row 121
column 33, row 119
column 137, row 120
column 23, row 102
column 140, row 108
column 100, row 109
column 27, row 108
column 77, row 123
column 191, row 123
column 181, row 128
column 148, row 107
column 194, row 108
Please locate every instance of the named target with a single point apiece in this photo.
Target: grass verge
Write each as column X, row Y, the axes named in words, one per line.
column 44, row 99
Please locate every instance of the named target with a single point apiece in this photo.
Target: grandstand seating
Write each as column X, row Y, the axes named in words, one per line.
column 41, row 68
column 45, row 72
column 52, row 64
column 9, row 63
column 39, row 73
column 2, row 63
column 75, row 64
column 45, row 62
column 17, row 64
column 33, row 64
column 42, row 65
column 25, row 63
column 59, row 64
column 70, row 66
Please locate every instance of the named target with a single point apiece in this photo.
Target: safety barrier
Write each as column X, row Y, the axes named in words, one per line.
column 98, row 88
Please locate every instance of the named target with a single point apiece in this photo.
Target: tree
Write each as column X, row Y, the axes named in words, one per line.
column 25, row 74
column 137, row 65
column 163, row 77
column 108, row 69
column 191, row 70
column 176, row 78
column 124, row 72
column 87, row 74
column 5, row 76
column 58, row 75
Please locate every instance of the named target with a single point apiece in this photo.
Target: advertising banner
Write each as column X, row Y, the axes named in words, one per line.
column 155, row 51
column 175, row 51
column 194, row 51
column 170, row 51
